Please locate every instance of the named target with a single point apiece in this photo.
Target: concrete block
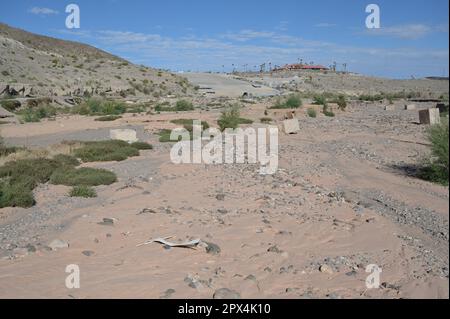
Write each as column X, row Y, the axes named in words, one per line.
column 126, row 135
column 430, row 116
column 291, row 126
column 389, row 108
column 410, row 107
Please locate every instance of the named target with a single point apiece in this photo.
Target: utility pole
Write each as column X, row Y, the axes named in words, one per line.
column 262, row 68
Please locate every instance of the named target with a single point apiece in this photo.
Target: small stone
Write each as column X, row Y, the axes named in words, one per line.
column 168, row 293
column 58, row 244
column 250, row 277
column 108, row 221
column 212, row 249
column 274, row 249
column 88, row 253
column 222, row 211
column 326, row 269
column 225, row 293
column 351, row 273
column 220, row 197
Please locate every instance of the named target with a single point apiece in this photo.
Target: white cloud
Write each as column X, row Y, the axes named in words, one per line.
column 42, row 11
column 407, row 31
column 325, row 25
column 246, row 35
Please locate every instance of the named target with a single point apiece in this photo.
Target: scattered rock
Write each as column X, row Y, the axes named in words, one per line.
column 168, row 293
column 274, row 249
column 225, row 293
column 212, row 248
column 58, row 244
column 108, row 222
column 326, row 269
column 147, row 211
column 88, row 253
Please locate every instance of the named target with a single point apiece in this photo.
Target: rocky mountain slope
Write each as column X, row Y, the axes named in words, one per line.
column 37, row 65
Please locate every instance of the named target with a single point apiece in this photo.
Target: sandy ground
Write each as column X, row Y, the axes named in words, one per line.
column 342, row 199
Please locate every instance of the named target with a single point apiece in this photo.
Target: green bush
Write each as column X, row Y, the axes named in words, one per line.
column 242, row 120
column 71, row 176
column 229, row 118
column 83, row 191
column 164, row 136
column 104, row 151
column 19, row 178
column 11, row 105
column 311, row 112
column 183, row 105
column 327, row 112
column 180, row 106
column 371, row 97
column 142, row 146
column 188, row 123
column 265, row 120
column 292, row 102
column 108, row 118
column 436, row 168
column 38, row 113
column 320, row 100
column 100, row 107
column 342, row 102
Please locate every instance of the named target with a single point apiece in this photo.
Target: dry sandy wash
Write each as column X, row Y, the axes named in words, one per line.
column 342, row 199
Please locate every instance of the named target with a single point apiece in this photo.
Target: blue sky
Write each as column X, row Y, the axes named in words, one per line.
column 213, row 35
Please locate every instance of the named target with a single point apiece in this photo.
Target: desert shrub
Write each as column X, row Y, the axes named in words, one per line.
column 229, row 118
column 15, row 195
column 328, row 112
column 187, row 123
column 142, row 146
column 100, row 107
column 265, row 120
column 164, row 136
column 342, row 102
column 291, row 102
column 371, row 97
column 38, row 113
column 71, row 176
column 104, row 151
column 19, row 178
column 436, row 168
column 320, row 100
column 183, row 105
column 294, row 101
column 83, row 191
column 112, row 108
column 311, row 112
column 108, row 118
column 180, row 106
column 242, row 120
column 11, row 105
